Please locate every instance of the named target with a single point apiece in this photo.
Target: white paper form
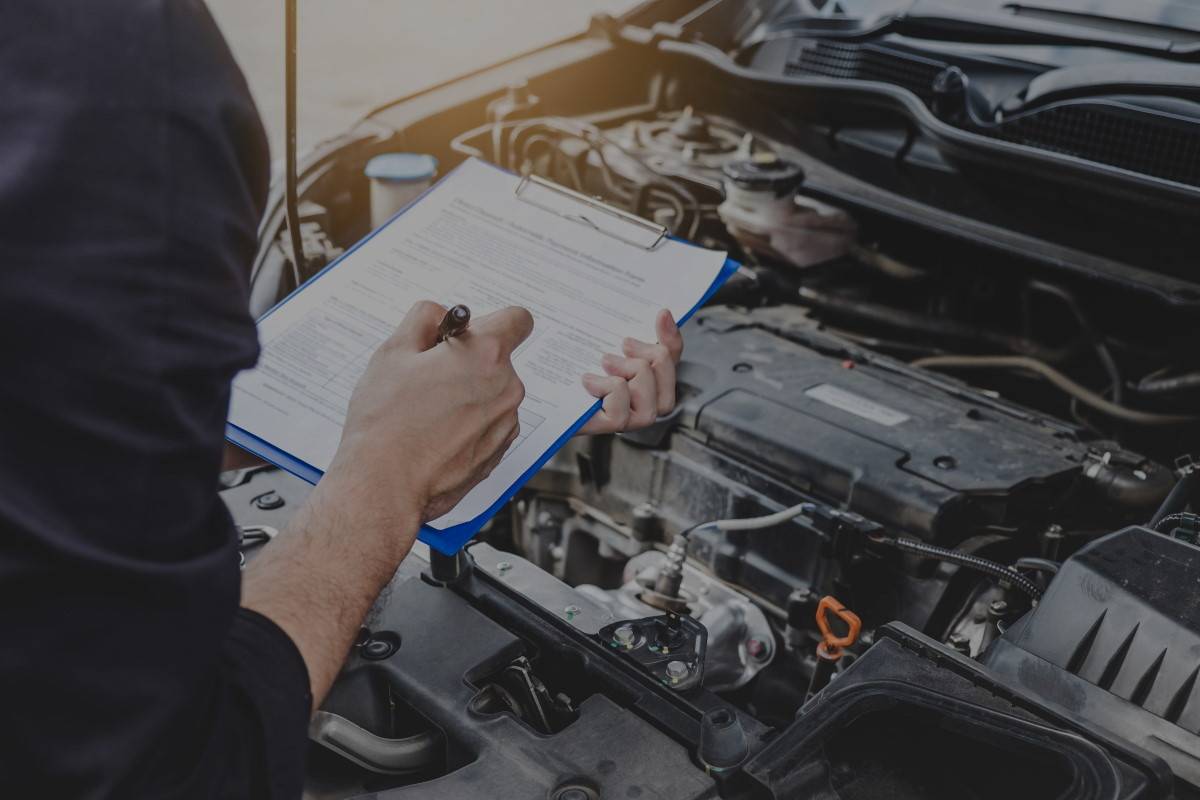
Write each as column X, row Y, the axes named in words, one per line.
column 471, row 241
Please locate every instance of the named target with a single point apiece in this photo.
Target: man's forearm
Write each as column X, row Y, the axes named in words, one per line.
column 319, row 578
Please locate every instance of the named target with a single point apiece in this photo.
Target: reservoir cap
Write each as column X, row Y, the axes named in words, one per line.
column 765, row 172
column 402, row 167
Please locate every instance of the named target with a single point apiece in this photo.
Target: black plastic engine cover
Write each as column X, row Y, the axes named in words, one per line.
column 1116, row 642
column 911, row 721
column 915, row 452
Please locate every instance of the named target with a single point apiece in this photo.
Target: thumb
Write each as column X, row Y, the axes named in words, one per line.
column 418, row 330
column 668, row 334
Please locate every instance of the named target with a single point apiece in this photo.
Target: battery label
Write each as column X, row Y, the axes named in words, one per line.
column 857, row 405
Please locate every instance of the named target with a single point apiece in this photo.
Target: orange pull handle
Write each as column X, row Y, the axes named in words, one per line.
column 830, row 644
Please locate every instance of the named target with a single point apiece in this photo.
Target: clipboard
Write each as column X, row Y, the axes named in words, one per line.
column 596, row 214
column 553, row 199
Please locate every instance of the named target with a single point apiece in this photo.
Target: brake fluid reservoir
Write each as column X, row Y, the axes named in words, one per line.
column 396, row 180
column 765, row 213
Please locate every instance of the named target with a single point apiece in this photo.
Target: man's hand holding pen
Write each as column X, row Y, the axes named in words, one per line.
column 459, row 404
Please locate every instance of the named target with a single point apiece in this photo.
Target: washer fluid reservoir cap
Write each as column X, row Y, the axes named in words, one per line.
column 765, row 172
column 402, row 167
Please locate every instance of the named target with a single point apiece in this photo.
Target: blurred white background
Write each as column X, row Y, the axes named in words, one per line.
column 357, row 54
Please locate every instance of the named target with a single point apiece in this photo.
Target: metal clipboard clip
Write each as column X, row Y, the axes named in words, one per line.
column 608, row 220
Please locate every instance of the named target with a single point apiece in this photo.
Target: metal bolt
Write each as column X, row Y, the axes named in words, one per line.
column 503, row 566
column 960, row 642
column 625, row 635
column 677, row 670
column 945, row 462
column 998, row 608
column 377, row 649
column 571, row 793
column 572, row 612
column 268, row 501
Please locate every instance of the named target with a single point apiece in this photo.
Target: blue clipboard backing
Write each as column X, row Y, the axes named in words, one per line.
column 447, row 540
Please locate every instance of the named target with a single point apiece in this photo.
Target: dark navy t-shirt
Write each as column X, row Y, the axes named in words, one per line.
column 133, row 173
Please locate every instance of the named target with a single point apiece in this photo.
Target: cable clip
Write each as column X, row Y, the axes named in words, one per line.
column 832, row 647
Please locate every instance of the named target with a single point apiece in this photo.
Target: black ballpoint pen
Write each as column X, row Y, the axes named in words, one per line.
column 454, row 323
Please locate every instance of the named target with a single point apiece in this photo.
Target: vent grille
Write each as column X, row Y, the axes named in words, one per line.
column 866, row 63
column 1134, row 140
column 1110, row 136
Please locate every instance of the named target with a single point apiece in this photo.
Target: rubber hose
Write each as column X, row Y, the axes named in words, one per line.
column 1061, row 381
column 968, row 561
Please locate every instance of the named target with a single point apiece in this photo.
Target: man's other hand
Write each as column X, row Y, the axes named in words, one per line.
column 427, row 423
column 639, row 386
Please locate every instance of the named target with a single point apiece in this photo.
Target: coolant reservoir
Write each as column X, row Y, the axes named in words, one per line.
column 767, row 216
column 396, row 180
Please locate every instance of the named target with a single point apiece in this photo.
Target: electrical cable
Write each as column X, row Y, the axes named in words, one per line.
column 1060, row 381
column 1185, row 492
column 751, row 523
column 1179, row 517
column 291, row 193
column 1089, row 332
column 757, row 523
column 670, row 575
column 968, row 561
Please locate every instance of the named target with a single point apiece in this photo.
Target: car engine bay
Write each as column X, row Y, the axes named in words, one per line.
column 923, row 523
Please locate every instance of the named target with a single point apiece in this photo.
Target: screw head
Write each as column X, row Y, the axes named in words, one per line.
column 998, row 607
column 677, row 670
column 571, row 612
column 503, row 566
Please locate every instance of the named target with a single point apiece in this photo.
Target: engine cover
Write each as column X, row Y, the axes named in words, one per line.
column 916, row 452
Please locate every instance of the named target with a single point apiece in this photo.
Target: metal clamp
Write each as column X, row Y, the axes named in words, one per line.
column 658, row 232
